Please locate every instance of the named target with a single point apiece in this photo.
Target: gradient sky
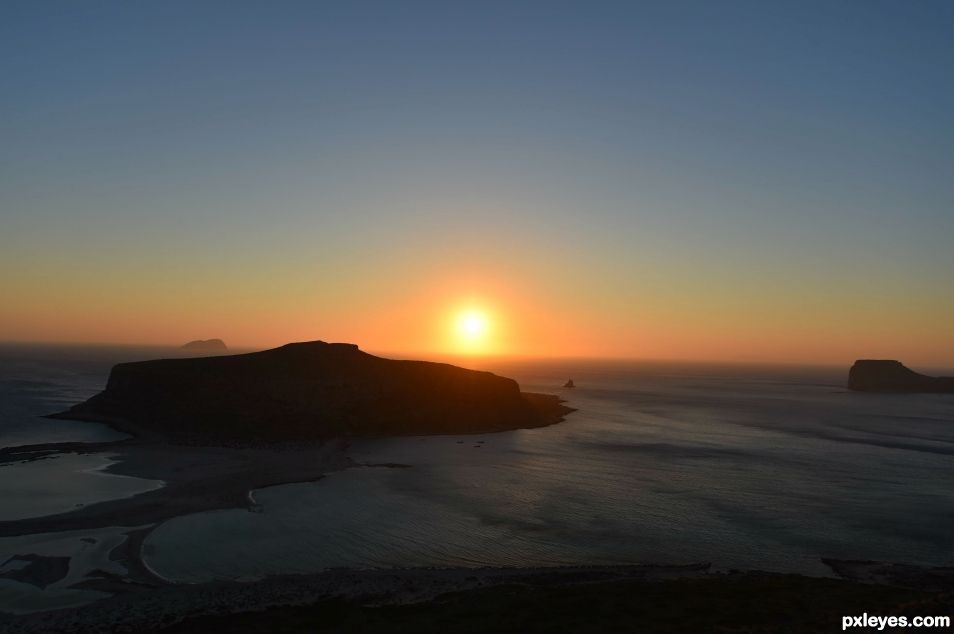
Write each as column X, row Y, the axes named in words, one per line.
column 703, row 180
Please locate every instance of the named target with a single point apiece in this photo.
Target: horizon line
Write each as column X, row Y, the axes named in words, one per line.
column 404, row 354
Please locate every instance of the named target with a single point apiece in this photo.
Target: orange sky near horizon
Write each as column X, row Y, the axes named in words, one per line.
column 529, row 315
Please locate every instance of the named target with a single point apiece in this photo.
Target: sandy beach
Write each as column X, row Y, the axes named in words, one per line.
column 196, row 479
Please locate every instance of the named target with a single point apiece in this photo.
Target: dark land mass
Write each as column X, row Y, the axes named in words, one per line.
column 884, row 375
column 306, row 392
column 206, row 345
column 568, row 599
column 739, row 603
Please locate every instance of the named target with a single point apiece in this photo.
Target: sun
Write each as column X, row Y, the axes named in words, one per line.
column 472, row 326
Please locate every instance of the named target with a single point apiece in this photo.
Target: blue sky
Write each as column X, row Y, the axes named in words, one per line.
column 750, row 147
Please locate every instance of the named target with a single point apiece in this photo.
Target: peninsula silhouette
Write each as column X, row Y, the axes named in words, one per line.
column 308, row 391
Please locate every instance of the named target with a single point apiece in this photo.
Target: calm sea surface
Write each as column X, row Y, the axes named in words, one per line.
column 745, row 467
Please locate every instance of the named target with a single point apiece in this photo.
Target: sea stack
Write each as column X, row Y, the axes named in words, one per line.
column 886, row 375
column 308, row 391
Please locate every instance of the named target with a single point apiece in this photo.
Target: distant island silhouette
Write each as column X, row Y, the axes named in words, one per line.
column 308, row 391
column 206, row 345
column 888, row 375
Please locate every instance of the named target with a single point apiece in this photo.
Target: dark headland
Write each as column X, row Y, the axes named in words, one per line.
column 885, row 375
column 206, row 345
column 308, row 391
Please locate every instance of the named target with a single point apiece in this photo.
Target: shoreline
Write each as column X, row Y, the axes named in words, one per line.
column 196, row 479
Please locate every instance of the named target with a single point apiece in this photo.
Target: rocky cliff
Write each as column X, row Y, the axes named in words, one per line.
column 877, row 375
column 306, row 391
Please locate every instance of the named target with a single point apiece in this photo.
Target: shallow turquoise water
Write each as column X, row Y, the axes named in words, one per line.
column 62, row 483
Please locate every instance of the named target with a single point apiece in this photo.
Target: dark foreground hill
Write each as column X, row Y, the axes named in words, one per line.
column 884, row 375
column 308, row 391
column 744, row 603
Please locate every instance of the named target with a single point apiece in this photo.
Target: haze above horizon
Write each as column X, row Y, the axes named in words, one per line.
column 687, row 180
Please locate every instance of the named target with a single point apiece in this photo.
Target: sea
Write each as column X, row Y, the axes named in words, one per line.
column 742, row 466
